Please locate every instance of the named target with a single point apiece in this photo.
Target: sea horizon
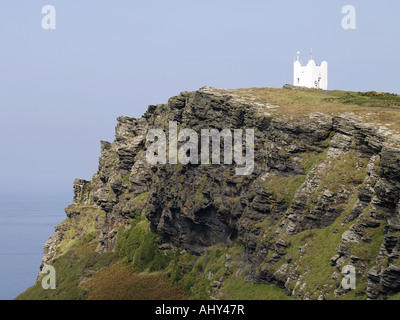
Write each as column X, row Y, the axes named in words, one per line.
column 26, row 222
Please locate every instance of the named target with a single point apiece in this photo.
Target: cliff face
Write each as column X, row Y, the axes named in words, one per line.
column 324, row 193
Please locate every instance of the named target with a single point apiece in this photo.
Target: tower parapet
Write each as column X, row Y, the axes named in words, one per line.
column 310, row 75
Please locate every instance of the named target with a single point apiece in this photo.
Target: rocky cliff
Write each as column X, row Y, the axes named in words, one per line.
column 324, row 193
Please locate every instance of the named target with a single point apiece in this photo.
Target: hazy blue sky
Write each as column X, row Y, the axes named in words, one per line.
column 62, row 90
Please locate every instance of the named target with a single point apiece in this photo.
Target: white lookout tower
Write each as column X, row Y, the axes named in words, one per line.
column 311, row 75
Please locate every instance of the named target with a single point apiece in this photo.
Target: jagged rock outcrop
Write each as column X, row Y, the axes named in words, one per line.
column 311, row 173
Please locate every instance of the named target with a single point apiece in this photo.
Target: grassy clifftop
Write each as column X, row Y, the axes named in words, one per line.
column 376, row 107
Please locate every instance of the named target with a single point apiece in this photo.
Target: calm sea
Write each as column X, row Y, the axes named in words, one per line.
column 25, row 225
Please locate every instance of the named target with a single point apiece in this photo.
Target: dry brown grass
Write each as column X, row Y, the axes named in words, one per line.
column 303, row 102
column 121, row 282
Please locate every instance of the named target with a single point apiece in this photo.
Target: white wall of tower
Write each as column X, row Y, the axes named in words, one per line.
column 311, row 75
